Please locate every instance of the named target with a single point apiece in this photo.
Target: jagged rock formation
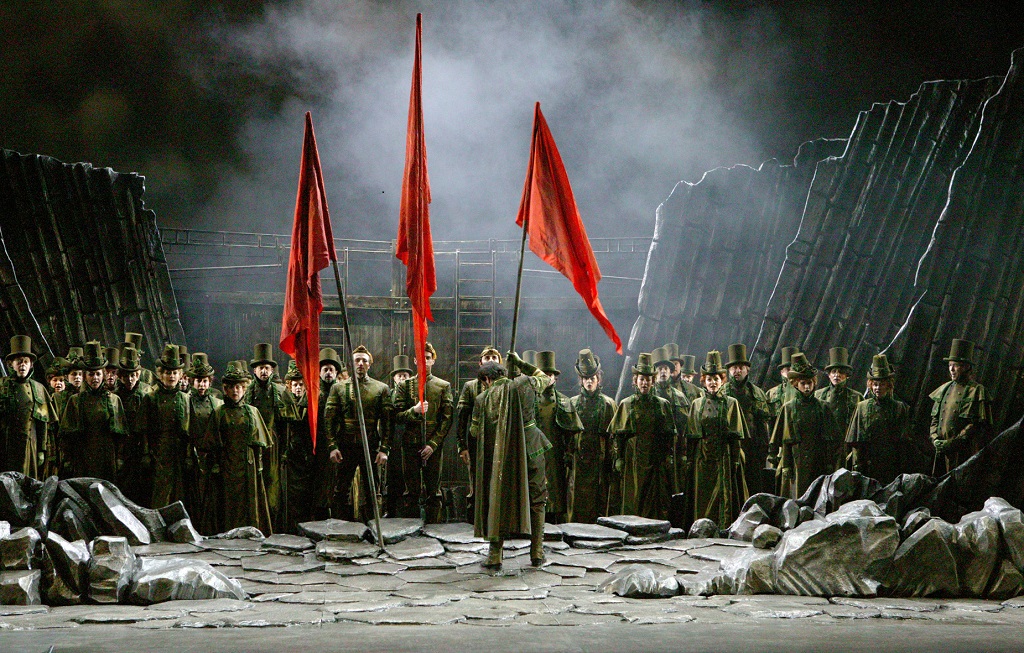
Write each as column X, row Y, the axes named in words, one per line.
column 81, row 257
column 908, row 238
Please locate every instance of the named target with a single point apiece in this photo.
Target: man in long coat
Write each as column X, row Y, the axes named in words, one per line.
column 878, row 431
column 464, row 412
column 840, row 398
column 757, row 418
column 136, row 486
column 26, row 414
column 93, row 427
column 590, row 452
column 164, row 419
column 560, row 424
column 266, row 395
column 962, row 411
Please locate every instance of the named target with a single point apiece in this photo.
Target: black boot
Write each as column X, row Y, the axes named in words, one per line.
column 537, row 536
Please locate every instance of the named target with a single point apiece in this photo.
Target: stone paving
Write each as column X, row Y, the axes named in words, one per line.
column 434, row 577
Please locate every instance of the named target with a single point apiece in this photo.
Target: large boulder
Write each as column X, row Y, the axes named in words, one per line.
column 16, row 505
column 750, row 572
column 977, row 541
column 926, row 563
column 174, row 579
column 837, row 488
column 72, row 522
column 838, row 555
column 903, row 494
column 20, row 587
column 703, row 529
column 1011, row 528
column 22, row 549
column 118, row 518
column 65, row 570
column 638, row 526
column 150, row 518
column 110, row 569
column 639, row 581
column 44, row 505
column 766, row 536
column 1007, row 582
column 748, row 521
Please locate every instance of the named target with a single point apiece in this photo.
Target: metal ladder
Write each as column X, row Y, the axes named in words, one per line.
column 474, row 309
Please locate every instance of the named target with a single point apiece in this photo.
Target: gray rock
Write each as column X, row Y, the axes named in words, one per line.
column 413, row 548
column 20, row 587
column 743, row 528
column 78, row 489
column 596, row 545
column 1011, row 527
column 173, row 512
column 72, row 522
column 766, row 536
column 573, row 531
column 789, row 515
column 45, row 503
column 1007, row 582
column 639, row 581
column 395, row 529
column 286, row 542
column 836, row 556
column 183, row 532
column 156, row 580
column 926, row 563
column 842, row 486
column 117, row 517
column 454, row 533
column 110, row 569
column 343, row 551
column 335, row 530
column 750, row 572
column 703, row 529
column 977, row 540
column 638, row 526
column 5, row 528
column 22, row 549
column 67, row 570
column 15, row 506
column 915, row 520
column 771, row 504
column 806, row 514
column 635, row 540
column 241, row 533
column 553, row 533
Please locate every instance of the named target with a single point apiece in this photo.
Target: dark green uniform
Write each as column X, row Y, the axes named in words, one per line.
column 806, row 436
column 681, row 417
column 560, row 424
column 240, row 438
column 592, row 462
column 962, row 416
column 136, row 486
column 464, row 412
column 842, row 401
column 511, row 483
column 644, row 430
column 345, row 436
column 164, row 416
column 690, row 390
column 266, row 396
column 25, row 418
column 757, row 417
column 205, row 486
column 878, row 437
column 325, row 472
column 94, row 430
column 715, row 457
column 423, row 480
column 299, row 465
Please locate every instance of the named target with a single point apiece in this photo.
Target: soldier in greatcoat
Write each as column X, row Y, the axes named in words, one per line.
column 840, row 398
column 93, row 429
column 591, row 466
column 962, row 411
column 464, row 411
column 663, row 367
column 265, row 394
column 26, row 414
column 131, row 389
column 756, row 416
column 204, row 482
column 164, row 420
column 878, row 432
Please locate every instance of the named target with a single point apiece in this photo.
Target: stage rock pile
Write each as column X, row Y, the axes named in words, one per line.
column 66, row 542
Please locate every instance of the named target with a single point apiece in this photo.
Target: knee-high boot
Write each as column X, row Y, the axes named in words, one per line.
column 537, row 535
column 494, row 555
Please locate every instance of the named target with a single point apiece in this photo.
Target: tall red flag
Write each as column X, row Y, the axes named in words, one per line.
column 312, row 250
column 415, row 247
column 556, row 231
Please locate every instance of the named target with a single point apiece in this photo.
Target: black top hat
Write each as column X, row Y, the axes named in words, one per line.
column 134, row 339
column 263, row 354
column 113, row 356
column 170, row 359
column 738, row 355
column 713, row 364
column 545, row 362
column 328, row 355
column 93, row 358
column 236, row 373
column 687, row 362
column 587, row 363
column 21, row 346
column 644, row 366
column 880, row 368
column 838, row 359
column 401, row 363
column 799, row 368
column 129, row 360
column 961, row 351
column 662, row 356
column 787, row 356
column 201, row 367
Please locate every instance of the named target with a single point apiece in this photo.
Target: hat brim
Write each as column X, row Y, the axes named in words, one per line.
column 829, row 368
column 793, row 376
column 550, row 370
column 254, row 363
column 713, row 371
column 957, row 359
column 401, row 369
column 882, row 377
column 19, row 354
column 125, row 368
column 731, row 363
column 644, row 372
column 587, row 373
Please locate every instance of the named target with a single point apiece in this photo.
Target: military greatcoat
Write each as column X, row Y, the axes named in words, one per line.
column 878, row 437
column 644, row 430
column 240, row 438
column 94, row 430
column 26, row 416
column 962, row 416
column 807, row 438
column 591, row 466
column 715, row 454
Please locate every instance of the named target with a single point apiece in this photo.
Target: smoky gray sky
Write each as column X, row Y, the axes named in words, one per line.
column 207, row 98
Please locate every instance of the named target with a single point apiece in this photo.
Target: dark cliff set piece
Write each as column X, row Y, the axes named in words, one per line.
column 901, row 238
column 82, row 257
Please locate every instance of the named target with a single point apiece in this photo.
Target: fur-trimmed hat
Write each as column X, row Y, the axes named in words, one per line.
column 800, row 368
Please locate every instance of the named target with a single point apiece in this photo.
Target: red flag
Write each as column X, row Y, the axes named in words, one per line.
column 312, row 250
column 556, row 231
column 415, row 247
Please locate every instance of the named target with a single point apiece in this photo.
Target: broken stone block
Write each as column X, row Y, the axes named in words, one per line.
column 171, row 579
column 634, row 540
column 766, row 536
column 977, row 540
column 44, row 505
column 915, row 520
column 836, row 556
column 750, row 572
column 806, row 514
column 843, row 486
column 70, row 560
column 20, row 587
column 639, row 581
column 903, row 494
column 149, row 517
column 173, row 512
column 1007, row 582
column 285, row 542
column 15, row 506
column 72, row 522
column 744, row 526
column 926, row 563
column 22, row 549
column 413, row 548
column 395, row 529
column 788, row 515
column 769, row 503
column 344, row 551
column 596, row 545
column 240, row 533
column 110, row 569
column 553, row 533
column 183, row 532
column 118, row 518
column 337, row 530
column 638, row 526
column 703, row 529
column 1011, row 528
column 572, row 531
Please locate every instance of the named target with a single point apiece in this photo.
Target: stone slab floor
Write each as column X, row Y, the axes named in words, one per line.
column 430, row 593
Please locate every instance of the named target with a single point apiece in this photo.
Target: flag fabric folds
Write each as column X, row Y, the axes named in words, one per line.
column 548, row 211
column 415, row 247
column 312, row 249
